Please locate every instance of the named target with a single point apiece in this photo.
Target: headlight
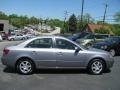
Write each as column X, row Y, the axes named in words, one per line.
column 82, row 41
column 104, row 47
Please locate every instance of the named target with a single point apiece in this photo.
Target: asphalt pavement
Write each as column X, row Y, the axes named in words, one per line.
column 58, row 79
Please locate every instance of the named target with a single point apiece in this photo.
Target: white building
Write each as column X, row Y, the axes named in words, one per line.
column 4, row 26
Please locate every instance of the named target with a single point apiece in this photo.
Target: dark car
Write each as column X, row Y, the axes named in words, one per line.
column 111, row 44
column 78, row 36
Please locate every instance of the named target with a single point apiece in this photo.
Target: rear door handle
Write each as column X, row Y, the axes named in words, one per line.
column 34, row 52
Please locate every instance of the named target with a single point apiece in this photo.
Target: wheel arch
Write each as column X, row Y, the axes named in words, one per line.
column 21, row 58
column 97, row 58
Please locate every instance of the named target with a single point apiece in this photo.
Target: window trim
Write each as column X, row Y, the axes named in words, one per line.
column 55, row 46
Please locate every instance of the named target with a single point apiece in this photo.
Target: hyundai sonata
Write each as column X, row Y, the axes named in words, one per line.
column 55, row 52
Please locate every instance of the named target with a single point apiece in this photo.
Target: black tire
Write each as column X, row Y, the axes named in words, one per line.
column 12, row 39
column 23, row 38
column 92, row 67
column 29, row 65
column 88, row 45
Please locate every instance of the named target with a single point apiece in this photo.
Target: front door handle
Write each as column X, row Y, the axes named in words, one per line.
column 60, row 53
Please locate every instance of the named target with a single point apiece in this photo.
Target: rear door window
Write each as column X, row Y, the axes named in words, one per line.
column 41, row 43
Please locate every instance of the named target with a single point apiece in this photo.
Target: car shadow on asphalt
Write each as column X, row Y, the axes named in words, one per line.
column 61, row 71
column 54, row 71
column 9, row 70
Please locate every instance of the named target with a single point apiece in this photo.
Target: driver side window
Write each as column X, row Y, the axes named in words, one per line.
column 64, row 44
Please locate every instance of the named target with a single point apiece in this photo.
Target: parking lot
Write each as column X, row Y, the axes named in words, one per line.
column 58, row 79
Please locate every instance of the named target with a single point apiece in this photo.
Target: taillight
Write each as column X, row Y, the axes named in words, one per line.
column 5, row 51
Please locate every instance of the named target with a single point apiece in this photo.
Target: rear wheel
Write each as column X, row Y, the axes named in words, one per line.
column 12, row 39
column 25, row 66
column 96, row 66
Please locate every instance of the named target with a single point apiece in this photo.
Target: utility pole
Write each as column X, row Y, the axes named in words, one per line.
column 66, row 14
column 82, row 13
column 41, row 22
column 104, row 17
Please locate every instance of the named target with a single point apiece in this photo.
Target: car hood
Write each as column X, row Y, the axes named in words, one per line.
column 96, row 50
column 102, row 43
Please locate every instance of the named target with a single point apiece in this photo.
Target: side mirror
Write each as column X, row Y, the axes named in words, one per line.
column 77, row 49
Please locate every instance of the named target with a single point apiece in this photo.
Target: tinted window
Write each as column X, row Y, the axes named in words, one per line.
column 101, row 36
column 112, row 40
column 89, row 37
column 64, row 44
column 40, row 43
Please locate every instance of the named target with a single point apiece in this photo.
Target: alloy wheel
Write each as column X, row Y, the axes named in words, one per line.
column 97, row 67
column 25, row 66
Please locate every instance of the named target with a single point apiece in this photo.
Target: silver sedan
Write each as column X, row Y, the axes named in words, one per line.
column 55, row 52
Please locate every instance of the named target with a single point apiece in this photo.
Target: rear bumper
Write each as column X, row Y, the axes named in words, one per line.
column 8, row 62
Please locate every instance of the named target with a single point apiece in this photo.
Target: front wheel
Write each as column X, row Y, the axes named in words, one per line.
column 23, row 39
column 88, row 45
column 25, row 66
column 96, row 67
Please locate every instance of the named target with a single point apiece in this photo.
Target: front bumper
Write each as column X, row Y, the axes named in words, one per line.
column 110, row 63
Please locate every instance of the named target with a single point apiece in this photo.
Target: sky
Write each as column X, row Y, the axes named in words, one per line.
column 56, row 8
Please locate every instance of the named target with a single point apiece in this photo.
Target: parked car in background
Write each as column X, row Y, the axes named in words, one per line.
column 76, row 36
column 89, row 39
column 111, row 44
column 28, row 36
column 63, row 35
column 55, row 52
column 17, row 37
column 1, row 38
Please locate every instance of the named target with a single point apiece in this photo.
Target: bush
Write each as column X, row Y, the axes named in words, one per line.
column 102, row 31
column 116, row 29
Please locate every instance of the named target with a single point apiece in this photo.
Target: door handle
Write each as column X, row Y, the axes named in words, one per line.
column 60, row 53
column 34, row 51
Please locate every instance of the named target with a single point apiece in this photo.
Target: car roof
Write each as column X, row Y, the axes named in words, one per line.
column 45, row 36
column 49, row 36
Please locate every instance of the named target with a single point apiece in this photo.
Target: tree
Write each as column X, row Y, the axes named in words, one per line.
column 24, row 20
column 72, row 23
column 33, row 20
column 87, row 18
column 18, row 21
column 116, row 29
column 3, row 16
column 117, row 17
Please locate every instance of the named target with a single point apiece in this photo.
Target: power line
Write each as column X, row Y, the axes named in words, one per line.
column 106, row 16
